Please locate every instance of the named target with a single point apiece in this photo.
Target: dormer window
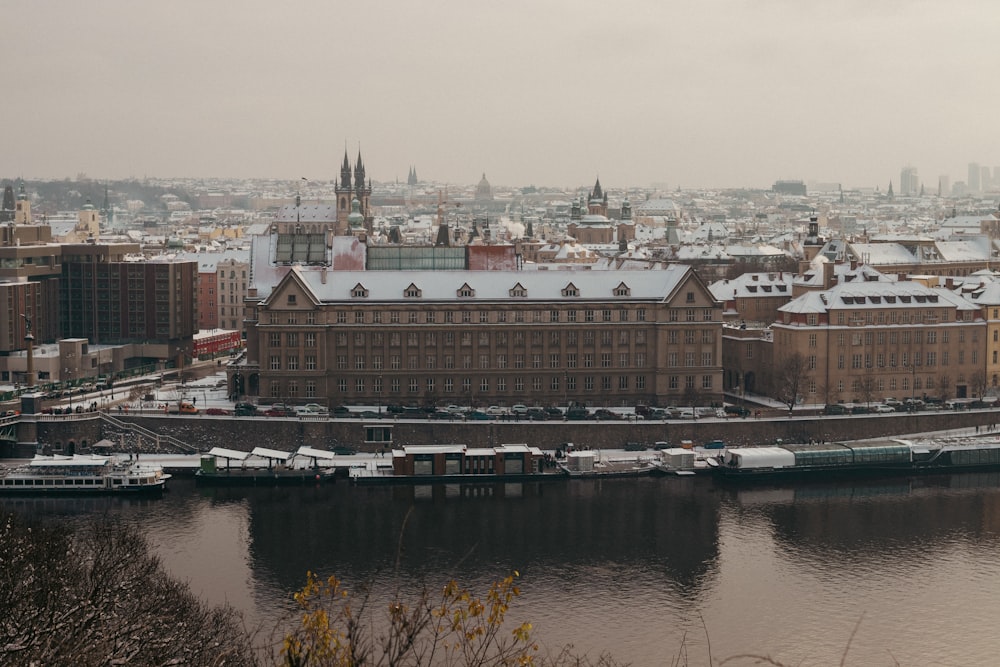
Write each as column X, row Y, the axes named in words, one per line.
column 466, row 291
column 518, row 291
column 359, row 292
column 570, row 290
column 622, row 290
column 412, row 292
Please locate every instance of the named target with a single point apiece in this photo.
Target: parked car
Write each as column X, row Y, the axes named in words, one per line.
column 394, row 409
column 343, row 450
column 882, row 409
column 554, row 412
column 737, row 410
column 519, row 410
column 602, row 413
column 341, row 411
column 537, row 414
column 835, row 409
column 216, row 411
column 313, row 407
column 476, row 415
column 578, row 413
column 496, row 411
column 454, row 409
column 245, row 409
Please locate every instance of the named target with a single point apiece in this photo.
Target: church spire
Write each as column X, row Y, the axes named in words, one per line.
column 345, row 172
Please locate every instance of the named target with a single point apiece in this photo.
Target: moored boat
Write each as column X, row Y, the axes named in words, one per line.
column 857, row 458
column 263, row 466
column 82, row 474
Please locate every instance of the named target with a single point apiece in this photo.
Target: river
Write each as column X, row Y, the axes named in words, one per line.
column 902, row 571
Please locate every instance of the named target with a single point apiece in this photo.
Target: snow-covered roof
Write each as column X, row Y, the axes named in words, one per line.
column 754, row 285
column 307, row 213
column 876, row 296
column 332, row 286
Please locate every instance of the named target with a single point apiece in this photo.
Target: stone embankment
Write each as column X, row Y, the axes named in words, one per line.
column 204, row 432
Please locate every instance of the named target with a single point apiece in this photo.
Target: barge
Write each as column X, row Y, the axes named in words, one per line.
column 856, row 458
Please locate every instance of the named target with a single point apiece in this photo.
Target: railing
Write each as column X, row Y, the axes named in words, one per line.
column 135, row 429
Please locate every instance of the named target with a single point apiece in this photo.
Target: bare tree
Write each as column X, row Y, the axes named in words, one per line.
column 945, row 383
column 867, row 386
column 97, row 596
column 789, row 379
column 979, row 383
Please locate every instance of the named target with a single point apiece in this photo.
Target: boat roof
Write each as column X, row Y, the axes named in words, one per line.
column 433, row 449
column 315, row 453
column 224, row 453
column 266, row 453
column 63, row 462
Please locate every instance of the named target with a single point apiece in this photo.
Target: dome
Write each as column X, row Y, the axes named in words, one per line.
column 484, row 191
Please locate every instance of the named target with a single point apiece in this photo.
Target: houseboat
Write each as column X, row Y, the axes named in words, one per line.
column 265, row 467
column 857, row 458
column 82, row 474
column 457, row 463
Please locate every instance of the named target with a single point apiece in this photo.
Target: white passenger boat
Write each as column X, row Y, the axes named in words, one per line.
column 82, row 474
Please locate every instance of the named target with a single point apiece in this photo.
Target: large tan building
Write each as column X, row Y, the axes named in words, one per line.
column 863, row 342
column 602, row 338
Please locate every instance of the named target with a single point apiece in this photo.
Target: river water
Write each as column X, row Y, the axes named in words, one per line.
column 644, row 569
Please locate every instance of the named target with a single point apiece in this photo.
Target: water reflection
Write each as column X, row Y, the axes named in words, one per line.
column 637, row 567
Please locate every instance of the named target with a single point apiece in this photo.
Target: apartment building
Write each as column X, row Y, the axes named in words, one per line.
column 603, row 338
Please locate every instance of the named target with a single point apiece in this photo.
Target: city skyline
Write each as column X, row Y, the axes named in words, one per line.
column 711, row 95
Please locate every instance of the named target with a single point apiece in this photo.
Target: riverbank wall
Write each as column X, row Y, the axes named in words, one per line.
column 204, row 432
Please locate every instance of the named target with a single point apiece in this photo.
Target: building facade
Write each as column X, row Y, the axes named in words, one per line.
column 865, row 342
column 108, row 300
column 601, row 338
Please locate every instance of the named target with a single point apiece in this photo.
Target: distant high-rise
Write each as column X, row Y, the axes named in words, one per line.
column 974, row 184
column 789, row 188
column 985, row 179
column 909, row 182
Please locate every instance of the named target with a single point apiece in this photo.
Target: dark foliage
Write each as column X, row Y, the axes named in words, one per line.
column 97, row 596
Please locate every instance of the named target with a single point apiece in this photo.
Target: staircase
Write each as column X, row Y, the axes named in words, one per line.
column 134, row 438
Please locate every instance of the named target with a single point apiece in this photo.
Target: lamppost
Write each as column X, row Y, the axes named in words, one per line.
column 378, row 395
column 68, row 373
column 566, row 389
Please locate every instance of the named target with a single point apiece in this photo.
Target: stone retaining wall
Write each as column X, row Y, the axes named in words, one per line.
column 289, row 434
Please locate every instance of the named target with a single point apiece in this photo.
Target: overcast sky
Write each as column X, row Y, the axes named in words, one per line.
column 692, row 93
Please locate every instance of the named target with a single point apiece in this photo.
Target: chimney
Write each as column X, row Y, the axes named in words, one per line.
column 828, row 279
column 322, row 275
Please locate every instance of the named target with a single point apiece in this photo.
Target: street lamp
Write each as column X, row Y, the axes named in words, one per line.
column 378, row 395
column 68, row 373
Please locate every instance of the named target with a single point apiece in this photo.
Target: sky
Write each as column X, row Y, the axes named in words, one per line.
column 687, row 93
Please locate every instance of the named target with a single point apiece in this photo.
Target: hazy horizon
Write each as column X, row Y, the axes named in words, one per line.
column 714, row 94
